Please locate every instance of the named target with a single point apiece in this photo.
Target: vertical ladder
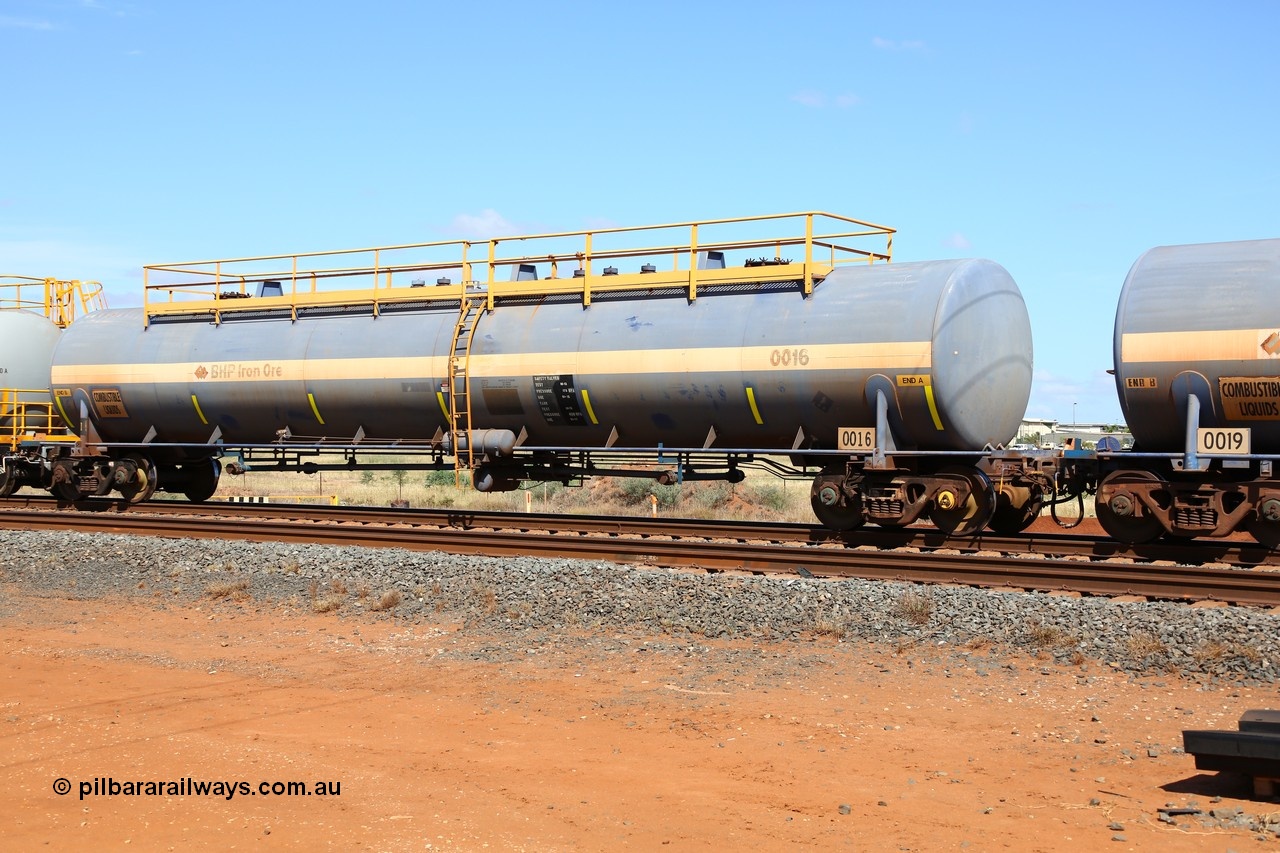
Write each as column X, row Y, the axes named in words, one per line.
column 460, row 386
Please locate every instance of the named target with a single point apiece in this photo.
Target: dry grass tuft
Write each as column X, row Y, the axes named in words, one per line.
column 291, row 567
column 338, row 586
column 235, row 589
column 1143, row 646
column 903, row 646
column 328, row 603
column 519, row 611
column 487, row 595
column 1044, row 636
column 830, row 626
column 388, row 600
column 914, row 606
column 1249, row 653
column 1211, row 650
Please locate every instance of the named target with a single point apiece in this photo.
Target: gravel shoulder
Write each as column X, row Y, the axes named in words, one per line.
column 542, row 704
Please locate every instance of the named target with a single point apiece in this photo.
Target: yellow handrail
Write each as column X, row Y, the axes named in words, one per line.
column 27, row 413
column 58, row 299
column 381, row 274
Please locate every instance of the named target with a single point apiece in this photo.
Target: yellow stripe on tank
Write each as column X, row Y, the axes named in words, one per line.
column 288, row 370
column 199, row 412
column 933, row 407
column 311, row 398
column 586, row 402
column 66, row 420
column 892, row 355
column 755, row 411
column 911, row 355
column 1215, row 345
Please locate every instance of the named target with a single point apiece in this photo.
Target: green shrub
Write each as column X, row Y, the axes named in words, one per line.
column 636, row 491
column 771, row 496
column 440, row 478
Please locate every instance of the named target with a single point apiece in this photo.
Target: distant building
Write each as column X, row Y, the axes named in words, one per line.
column 1044, row 432
column 1036, row 427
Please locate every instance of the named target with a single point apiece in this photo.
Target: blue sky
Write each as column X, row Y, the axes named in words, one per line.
column 1061, row 140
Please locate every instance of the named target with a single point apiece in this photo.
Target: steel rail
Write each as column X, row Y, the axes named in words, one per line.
column 1230, row 585
column 1191, row 552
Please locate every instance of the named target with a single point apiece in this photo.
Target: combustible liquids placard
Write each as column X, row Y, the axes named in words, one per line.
column 1250, row 398
column 108, row 403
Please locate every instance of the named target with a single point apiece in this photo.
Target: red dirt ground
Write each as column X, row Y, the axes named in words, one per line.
column 447, row 739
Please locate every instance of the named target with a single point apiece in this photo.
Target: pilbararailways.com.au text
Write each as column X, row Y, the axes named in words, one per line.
column 189, row 787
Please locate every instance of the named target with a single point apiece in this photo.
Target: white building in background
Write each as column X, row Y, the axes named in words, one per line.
column 1037, row 427
column 1051, row 433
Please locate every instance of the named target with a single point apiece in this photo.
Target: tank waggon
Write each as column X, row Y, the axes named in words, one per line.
column 749, row 369
column 26, row 347
column 33, row 312
column 1197, row 367
column 27, row 340
column 874, row 374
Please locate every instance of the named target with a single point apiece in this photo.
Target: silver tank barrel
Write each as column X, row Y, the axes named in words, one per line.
column 27, row 341
column 740, row 366
column 1201, row 320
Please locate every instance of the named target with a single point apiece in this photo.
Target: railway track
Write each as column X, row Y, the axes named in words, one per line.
column 1078, row 564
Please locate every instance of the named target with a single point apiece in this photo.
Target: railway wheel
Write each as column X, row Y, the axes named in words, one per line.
column 967, row 517
column 142, row 485
column 835, row 508
column 1118, row 515
column 65, row 492
column 65, row 484
column 201, row 479
column 8, row 483
column 1016, row 508
column 1264, row 527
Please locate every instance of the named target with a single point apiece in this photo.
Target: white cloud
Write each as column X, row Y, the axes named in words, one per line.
column 889, row 44
column 24, row 23
column 111, row 9
column 487, row 223
column 957, row 241
column 819, row 100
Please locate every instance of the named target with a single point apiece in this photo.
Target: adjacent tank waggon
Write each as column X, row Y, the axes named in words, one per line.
column 33, row 312
column 1197, row 367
